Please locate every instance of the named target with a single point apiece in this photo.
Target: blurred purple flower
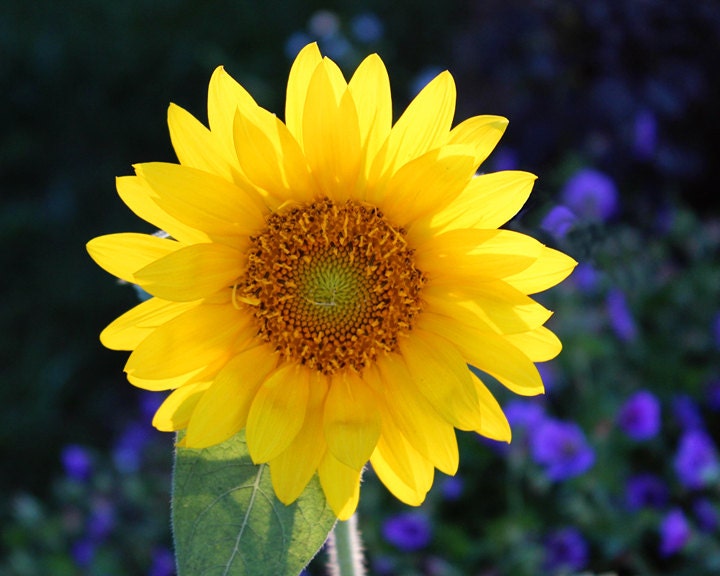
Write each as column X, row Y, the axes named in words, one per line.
column 296, row 42
column 565, row 551
column 558, row 221
column 687, row 413
column 324, row 24
column 646, row 138
column 77, row 462
column 645, row 491
column 590, row 194
column 696, row 462
column 674, row 532
column 621, row 319
column 639, row 417
column 524, row 414
column 716, row 331
column 163, row 563
column 562, row 449
column 408, row 531
column 585, row 277
column 128, row 450
column 149, row 403
column 101, row 521
column 367, row 27
column 83, row 552
column 712, row 395
column 706, row 515
column 452, row 488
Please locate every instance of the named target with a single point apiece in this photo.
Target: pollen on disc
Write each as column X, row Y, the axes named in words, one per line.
column 332, row 285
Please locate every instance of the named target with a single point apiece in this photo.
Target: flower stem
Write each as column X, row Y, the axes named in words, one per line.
column 345, row 549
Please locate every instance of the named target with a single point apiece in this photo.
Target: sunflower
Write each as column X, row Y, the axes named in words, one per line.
column 324, row 282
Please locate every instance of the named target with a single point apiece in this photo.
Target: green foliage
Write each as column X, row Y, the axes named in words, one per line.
column 227, row 520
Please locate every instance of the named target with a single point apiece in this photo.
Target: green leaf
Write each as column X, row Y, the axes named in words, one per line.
column 227, row 520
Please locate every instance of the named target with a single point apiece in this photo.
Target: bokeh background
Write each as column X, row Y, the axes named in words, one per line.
column 613, row 103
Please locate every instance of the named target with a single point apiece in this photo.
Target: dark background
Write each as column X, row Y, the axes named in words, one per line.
column 84, row 89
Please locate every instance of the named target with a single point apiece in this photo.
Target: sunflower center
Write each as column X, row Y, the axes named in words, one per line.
column 334, row 285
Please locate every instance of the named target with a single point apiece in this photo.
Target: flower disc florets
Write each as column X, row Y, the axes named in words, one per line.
column 332, row 284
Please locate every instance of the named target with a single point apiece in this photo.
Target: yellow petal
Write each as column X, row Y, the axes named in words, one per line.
column 442, row 376
column 203, row 200
column 124, row 254
column 140, row 198
column 224, row 408
column 331, row 135
column 414, row 470
column 192, row 272
column 497, row 305
column 278, row 412
column 540, row 344
column 225, row 97
column 550, row 268
column 413, row 415
column 128, row 330
column 174, row 413
column 424, row 185
column 193, row 340
column 477, row 254
column 272, row 159
column 494, row 424
column 370, row 88
column 487, row 351
column 341, row 485
column 301, row 72
column 197, row 147
column 169, row 383
column 293, row 468
column 351, row 420
column 424, row 125
column 488, row 201
column 481, row 132
column 389, row 475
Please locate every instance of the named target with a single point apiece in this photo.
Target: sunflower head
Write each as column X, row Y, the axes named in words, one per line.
column 327, row 280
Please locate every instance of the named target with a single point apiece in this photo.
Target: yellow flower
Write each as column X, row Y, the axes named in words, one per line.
column 327, row 280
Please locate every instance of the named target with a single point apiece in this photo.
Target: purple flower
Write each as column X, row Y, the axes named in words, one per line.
column 77, row 462
column 558, row 221
column 687, row 413
column 163, row 563
column 524, row 414
column 83, row 552
column 639, row 417
column 621, row 319
column 706, row 515
column 645, row 134
column 408, row 531
column 674, row 532
column 367, row 27
column 128, row 450
column 712, row 395
column 561, row 448
column 101, row 521
column 452, row 488
column 645, row 491
column 585, row 277
column 591, row 194
column 716, row 331
column 696, row 463
column 566, row 551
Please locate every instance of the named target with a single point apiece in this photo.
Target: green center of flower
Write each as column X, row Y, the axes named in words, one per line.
column 333, row 285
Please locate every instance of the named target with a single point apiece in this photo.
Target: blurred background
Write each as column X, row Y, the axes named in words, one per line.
column 612, row 103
